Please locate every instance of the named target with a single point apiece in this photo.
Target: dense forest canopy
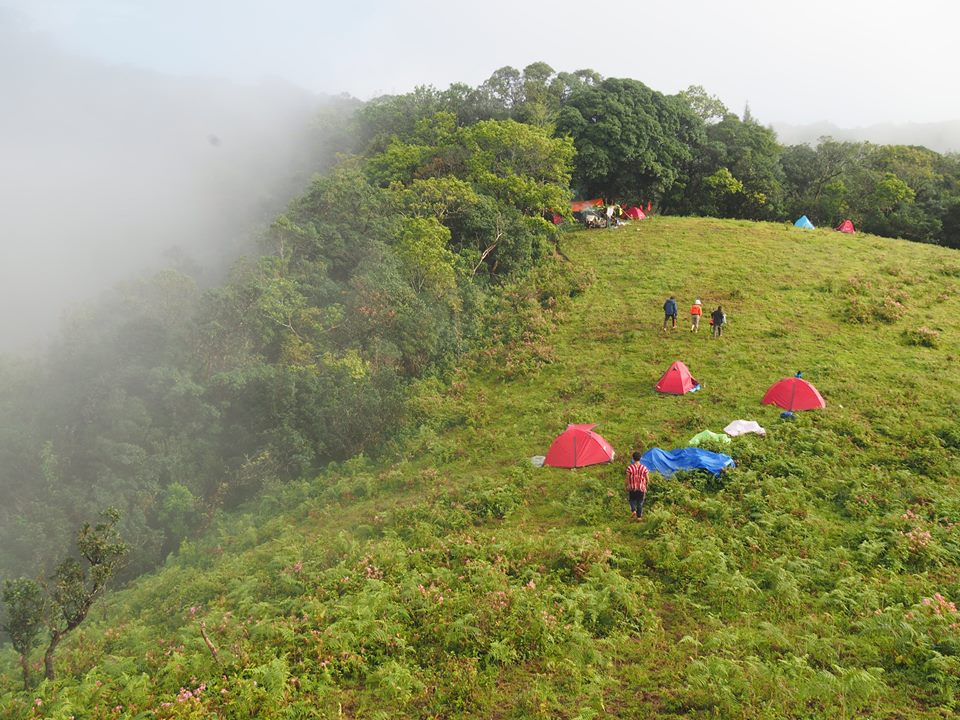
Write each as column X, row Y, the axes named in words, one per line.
column 422, row 243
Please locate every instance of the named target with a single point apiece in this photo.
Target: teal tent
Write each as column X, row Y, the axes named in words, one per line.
column 804, row 222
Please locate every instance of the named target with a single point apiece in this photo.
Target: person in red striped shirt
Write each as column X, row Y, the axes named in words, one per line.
column 637, row 475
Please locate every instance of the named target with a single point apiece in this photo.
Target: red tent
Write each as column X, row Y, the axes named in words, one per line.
column 556, row 219
column 634, row 213
column 578, row 446
column 794, row 393
column 580, row 205
column 677, row 380
column 846, row 226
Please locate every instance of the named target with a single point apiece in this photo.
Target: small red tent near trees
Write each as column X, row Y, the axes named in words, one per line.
column 793, row 394
column 677, row 380
column 579, row 446
column 846, row 227
column 634, row 213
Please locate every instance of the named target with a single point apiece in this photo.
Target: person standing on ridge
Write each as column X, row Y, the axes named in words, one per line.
column 696, row 310
column 718, row 319
column 637, row 476
column 670, row 312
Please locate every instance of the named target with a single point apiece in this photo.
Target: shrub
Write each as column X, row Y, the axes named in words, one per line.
column 889, row 309
column 922, row 337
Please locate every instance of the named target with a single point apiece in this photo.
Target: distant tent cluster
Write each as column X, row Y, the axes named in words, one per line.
column 597, row 213
column 845, row 227
column 579, row 445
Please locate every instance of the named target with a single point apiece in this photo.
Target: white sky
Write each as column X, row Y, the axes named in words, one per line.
column 852, row 62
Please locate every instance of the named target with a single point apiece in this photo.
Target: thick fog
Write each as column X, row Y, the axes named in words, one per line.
column 944, row 137
column 106, row 171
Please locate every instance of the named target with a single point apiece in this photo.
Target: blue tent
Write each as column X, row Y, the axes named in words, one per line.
column 667, row 462
column 804, row 222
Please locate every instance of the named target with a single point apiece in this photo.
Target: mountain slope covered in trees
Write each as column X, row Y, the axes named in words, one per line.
column 451, row 578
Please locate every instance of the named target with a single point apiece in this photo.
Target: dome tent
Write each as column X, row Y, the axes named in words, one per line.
column 579, row 446
column 677, row 380
column 794, row 393
column 846, row 227
column 804, row 222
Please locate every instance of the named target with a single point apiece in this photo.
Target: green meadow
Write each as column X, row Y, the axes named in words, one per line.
column 451, row 578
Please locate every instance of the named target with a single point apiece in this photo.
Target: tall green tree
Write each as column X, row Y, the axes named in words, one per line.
column 751, row 154
column 816, row 182
column 707, row 107
column 78, row 584
column 61, row 607
column 632, row 142
column 23, row 622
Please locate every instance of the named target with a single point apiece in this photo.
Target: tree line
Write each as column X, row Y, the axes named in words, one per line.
column 690, row 155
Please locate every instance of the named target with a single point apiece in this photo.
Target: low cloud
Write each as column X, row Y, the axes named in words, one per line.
column 105, row 170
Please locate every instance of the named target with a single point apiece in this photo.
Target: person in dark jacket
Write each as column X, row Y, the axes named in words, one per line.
column 718, row 319
column 670, row 312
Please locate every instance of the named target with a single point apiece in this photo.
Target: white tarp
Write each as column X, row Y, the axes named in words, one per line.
column 742, row 427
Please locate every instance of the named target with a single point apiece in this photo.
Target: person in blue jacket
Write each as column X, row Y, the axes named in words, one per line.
column 670, row 312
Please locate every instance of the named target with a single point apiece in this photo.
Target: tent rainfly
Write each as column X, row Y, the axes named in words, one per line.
column 846, row 227
column 581, row 205
column 794, row 394
column 677, row 380
column 804, row 222
column 634, row 213
column 667, row 462
column 708, row 436
column 742, row 427
column 579, row 446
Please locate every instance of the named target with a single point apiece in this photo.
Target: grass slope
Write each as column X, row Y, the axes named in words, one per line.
column 815, row 581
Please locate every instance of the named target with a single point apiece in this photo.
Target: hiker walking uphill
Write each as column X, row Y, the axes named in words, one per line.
column 670, row 312
column 637, row 476
column 696, row 310
column 718, row 319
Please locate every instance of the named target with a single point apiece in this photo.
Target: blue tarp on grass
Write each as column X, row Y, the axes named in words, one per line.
column 667, row 462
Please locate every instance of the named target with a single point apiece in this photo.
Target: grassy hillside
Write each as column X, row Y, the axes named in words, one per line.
column 814, row 581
